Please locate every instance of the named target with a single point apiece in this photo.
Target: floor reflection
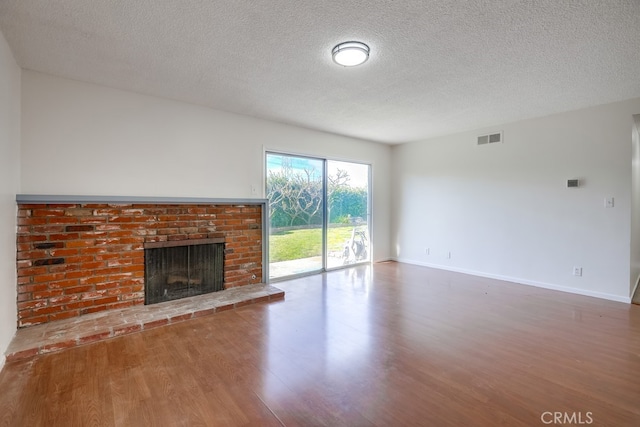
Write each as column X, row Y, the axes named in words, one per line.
column 322, row 338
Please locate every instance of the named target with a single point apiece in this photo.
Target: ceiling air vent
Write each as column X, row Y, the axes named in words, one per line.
column 492, row 138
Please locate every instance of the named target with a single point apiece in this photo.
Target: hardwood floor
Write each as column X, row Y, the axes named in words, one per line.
column 386, row 345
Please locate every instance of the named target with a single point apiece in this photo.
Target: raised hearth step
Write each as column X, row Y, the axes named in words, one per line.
column 62, row 334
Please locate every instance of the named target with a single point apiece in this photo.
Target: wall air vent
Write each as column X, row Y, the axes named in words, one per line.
column 491, row 138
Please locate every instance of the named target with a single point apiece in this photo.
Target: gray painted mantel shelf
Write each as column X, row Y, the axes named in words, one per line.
column 54, row 198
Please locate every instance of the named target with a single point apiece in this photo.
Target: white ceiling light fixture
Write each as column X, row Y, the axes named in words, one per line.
column 350, row 54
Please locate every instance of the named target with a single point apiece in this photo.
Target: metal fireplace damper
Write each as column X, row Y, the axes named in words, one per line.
column 180, row 269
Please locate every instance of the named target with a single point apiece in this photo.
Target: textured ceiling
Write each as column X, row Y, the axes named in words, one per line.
column 436, row 67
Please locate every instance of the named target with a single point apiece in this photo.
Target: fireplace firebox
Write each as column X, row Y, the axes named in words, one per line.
column 180, row 269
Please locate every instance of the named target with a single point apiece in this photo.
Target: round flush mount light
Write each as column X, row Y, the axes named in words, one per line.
column 350, row 54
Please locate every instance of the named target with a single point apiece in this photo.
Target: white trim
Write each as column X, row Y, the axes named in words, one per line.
column 308, row 154
column 376, row 261
column 518, row 281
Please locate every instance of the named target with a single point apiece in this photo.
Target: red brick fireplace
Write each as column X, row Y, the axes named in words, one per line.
column 79, row 255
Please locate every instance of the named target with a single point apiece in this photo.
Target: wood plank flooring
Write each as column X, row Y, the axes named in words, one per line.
column 386, row 345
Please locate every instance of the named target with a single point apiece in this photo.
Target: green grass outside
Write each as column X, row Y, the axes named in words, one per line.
column 305, row 243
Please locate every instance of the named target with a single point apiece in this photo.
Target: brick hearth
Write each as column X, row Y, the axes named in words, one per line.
column 56, row 336
column 75, row 259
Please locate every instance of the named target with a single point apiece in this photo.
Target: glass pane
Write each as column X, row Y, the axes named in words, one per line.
column 295, row 193
column 348, row 213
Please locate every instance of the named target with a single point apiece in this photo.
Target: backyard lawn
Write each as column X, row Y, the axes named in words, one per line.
column 306, row 243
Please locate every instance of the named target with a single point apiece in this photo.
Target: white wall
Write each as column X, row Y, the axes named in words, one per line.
column 9, row 187
column 635, row 204
column 84, row 139
column 504, row 211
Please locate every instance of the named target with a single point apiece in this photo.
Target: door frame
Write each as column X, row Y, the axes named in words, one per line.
column 325, row 219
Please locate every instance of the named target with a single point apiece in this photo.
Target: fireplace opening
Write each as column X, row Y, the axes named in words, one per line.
column 181, row 269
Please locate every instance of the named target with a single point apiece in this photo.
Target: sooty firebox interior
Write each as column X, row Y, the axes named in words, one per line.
column 181, row 269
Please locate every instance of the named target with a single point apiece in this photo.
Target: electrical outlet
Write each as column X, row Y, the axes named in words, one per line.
column 428, row 251
column 449, row 255
column 608, row 202
column 577, row 271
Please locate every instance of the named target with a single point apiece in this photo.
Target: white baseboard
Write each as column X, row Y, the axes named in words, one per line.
column 519, row 281
column 383, row 260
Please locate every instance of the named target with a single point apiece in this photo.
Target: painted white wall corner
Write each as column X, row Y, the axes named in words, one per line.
column 504, row 210
column 10, row 75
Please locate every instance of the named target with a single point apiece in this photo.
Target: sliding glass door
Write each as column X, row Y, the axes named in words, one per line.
column 318, row 214
column 348, row 213
column 295, row 189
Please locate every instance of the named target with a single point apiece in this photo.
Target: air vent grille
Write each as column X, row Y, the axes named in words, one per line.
column 491, row 138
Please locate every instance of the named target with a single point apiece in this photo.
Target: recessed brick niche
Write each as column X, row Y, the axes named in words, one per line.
column 80, row 258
